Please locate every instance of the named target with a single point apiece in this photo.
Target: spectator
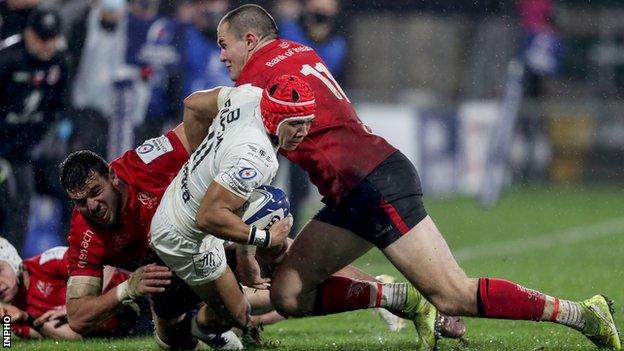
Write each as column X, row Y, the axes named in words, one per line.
column 542, row 48
column 314, row 27
column 33, row 84
column 97, row 43
column 153, row 47
column 201, row 64
column 13, row 16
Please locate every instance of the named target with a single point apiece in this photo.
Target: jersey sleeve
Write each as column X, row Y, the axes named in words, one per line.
column 154, row 163
column 246, row 167
column 224, row 95
column 164, row 154
column 85, row 252
column 54, row 262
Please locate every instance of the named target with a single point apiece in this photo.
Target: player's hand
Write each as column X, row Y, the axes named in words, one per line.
column 248, row 272
column 58, row 314
column 279, row 231
column 17, row 315
column 148, row 279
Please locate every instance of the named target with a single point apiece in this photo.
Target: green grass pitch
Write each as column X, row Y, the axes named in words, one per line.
column 564, row 241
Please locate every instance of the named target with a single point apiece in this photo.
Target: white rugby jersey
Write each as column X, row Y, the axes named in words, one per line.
column 237, row 153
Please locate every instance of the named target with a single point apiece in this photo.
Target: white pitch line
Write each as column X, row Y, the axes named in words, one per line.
column 544, row 241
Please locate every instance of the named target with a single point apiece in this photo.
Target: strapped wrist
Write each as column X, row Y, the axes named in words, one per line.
column 123, row 294
column 259, row 237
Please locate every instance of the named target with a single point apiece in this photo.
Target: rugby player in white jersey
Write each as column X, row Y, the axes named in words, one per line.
column 198, row 211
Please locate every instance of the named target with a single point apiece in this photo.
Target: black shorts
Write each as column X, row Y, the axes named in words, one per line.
column 383, row 206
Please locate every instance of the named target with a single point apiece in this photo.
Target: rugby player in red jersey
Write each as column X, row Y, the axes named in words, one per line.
column 33, row 291
column 372, row 196
column 114, row 206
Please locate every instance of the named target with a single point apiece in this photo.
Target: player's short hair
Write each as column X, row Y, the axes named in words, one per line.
column 251, row 18
column 78, row 166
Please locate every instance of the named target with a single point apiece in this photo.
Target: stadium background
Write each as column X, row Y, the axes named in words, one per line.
column 432, row 77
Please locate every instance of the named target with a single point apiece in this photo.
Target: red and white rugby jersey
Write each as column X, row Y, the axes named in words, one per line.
column 339, row 150
column 47, row 285
column 147, row 171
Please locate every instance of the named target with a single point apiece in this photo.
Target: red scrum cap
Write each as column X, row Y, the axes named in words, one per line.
column 286, row 98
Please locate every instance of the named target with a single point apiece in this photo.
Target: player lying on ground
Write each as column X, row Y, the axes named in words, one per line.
column 373, row 197
column 33, row 291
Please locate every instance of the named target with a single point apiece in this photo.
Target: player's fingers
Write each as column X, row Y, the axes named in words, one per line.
column 157, row 275
column 156, row 282
column 42, row 319
column 156, row 268
column 263, row 286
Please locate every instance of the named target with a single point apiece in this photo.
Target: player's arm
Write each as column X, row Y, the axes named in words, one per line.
column 217, row 216
column 87, row 307
column 200, row 108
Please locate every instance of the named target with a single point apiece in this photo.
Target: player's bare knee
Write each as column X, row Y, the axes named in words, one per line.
column 457, row 297
column 284, row 303
column 445, row 305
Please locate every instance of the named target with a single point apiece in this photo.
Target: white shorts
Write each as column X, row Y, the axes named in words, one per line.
column 195, row 261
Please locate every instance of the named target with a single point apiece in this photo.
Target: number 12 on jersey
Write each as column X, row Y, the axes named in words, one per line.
column 322, row 73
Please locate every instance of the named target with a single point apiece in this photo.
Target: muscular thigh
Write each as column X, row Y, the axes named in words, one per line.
column 318, row 251
column 424, row 258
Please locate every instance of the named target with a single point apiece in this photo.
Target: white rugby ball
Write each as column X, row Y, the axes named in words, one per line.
column 266, row 205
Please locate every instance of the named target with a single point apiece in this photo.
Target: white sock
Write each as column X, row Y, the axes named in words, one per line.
column 564, row 312
column 393, row 295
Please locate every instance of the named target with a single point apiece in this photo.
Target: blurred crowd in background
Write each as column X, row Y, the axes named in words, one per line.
column 107, row 74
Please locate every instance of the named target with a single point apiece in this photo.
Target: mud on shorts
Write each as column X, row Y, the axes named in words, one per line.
column 383, row 206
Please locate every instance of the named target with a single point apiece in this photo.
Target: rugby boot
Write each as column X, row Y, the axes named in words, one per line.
column 394, row 322
column 224, row 341
column 424, row 315
column 599, row 325
column 450, row 326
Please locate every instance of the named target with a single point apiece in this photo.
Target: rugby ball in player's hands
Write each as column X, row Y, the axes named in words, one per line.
column 266, row 206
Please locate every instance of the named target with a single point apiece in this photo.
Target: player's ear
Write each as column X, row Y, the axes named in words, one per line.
column 251, row 40
column 112, row 175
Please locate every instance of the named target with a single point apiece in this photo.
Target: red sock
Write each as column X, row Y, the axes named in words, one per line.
column 502, row 299
column 340, row 294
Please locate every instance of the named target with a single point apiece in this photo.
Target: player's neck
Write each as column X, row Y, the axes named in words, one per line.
column 262, row 43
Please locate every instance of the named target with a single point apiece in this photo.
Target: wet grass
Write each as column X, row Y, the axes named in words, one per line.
column 574, row 270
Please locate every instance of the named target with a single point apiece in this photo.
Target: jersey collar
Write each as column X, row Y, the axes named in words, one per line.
column 260, row 53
